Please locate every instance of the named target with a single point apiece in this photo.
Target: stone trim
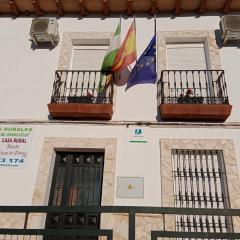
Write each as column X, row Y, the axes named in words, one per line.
column 205, row 36
column 225, row 145
column 47, row 160
column 79, row 38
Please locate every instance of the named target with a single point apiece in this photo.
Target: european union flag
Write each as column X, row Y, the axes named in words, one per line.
column 145, row 69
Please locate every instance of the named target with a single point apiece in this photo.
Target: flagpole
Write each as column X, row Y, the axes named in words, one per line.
column 155, row 33
column 120, row 22
column 155, row 24
column 115, row 74
column 135, row 32
column 134, row 19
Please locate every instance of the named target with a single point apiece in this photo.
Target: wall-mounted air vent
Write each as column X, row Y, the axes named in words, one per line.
column 44, row 30
column 230, row 28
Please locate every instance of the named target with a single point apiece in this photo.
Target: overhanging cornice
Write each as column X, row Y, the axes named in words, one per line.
column 108, row 7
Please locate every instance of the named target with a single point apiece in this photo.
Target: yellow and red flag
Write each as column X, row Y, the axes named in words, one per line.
column 127, row 52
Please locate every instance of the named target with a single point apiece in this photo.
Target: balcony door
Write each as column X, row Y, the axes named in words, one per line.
column 189, row 57
column 77, row 181
column 86, row 63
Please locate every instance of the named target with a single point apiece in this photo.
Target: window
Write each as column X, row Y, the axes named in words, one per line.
column 186, row 56
column 199, row 179
column 85, row 77
column 88, row 57
column 190, row 57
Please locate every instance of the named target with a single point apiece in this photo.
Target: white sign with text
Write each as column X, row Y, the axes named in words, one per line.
column 14, row 145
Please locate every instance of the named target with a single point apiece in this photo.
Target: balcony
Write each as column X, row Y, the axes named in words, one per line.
column 82, row 95
column 193, row 95
column 172, row 223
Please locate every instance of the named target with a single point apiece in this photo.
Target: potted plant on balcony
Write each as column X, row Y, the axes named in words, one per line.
column 189, row 99
column 88, row 98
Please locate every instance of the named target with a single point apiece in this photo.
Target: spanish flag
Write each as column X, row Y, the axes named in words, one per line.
column 127, row 52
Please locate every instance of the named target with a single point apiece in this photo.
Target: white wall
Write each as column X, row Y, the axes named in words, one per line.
column 27, row 75
column 26, row 81
column 133, row 159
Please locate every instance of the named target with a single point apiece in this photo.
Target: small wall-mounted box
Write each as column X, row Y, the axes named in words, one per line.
column 230, row 28
column 44, row 30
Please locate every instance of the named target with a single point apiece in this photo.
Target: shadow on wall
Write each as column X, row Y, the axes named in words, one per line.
column 158, row 98
column 158, row 117
column 50, row 117
column 47, row 46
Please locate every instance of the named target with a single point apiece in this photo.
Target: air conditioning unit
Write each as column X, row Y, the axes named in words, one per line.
column 230, row 28
column 44, row 30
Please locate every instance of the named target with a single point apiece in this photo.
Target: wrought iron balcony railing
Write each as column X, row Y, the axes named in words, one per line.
column 193, row 87
column 91, row 87
column 169, row 230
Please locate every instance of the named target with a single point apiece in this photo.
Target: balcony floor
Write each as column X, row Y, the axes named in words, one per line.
column 195, row 112
column 81, row 111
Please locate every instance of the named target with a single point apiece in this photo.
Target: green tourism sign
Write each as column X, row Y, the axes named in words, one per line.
column 137, row 135
column 14, row 145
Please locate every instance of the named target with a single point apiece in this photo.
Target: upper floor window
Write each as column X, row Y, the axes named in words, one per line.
column 88, row 57
column 80, row 83
column 186, row 56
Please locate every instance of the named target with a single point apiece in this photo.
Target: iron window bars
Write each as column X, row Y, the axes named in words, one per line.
column 200, row 182
column 192, row 87
column 89, row 87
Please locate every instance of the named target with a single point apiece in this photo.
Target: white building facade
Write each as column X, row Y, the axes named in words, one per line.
column 180, row 155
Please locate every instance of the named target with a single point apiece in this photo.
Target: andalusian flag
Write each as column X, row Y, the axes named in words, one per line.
column 117, row 58
column 112, row 50
column 127, row 53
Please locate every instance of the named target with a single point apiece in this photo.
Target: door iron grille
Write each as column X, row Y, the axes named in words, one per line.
column 77, row 181
column 200, row 182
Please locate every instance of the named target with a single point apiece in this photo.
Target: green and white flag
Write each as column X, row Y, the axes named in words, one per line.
column 112, row 50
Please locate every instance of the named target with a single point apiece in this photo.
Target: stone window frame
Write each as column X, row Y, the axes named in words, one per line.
column 189, row 36
column 71, row 39
column 47, row 162
column 231, row 167
column 207, row 37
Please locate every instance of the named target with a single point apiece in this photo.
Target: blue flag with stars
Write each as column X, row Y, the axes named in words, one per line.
column 145, row 69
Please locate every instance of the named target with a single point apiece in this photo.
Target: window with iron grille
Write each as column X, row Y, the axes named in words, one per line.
column 200, row 182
